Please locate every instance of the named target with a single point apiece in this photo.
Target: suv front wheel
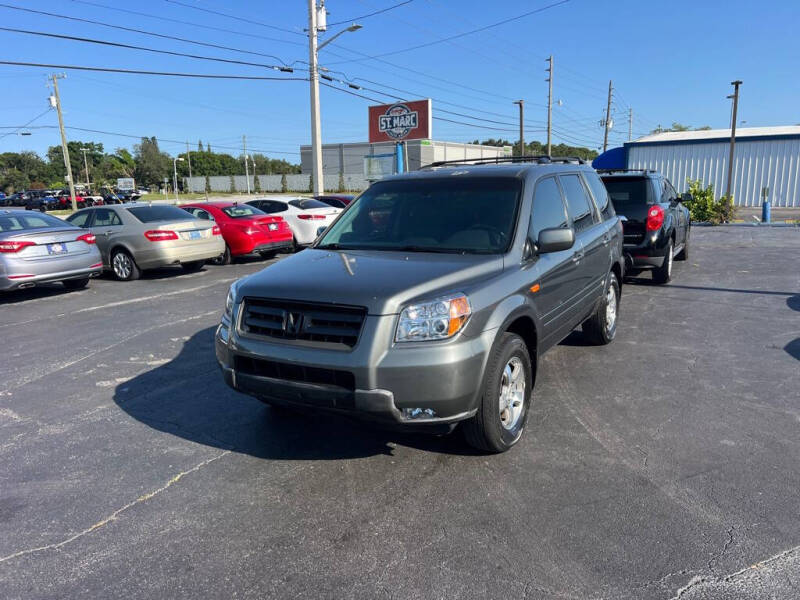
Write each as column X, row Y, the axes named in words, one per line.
column 507, row 391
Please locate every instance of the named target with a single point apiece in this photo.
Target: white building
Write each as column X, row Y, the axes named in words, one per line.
column 765, row 157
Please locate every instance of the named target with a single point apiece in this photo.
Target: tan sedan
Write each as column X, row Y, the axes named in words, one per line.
column 135, row 237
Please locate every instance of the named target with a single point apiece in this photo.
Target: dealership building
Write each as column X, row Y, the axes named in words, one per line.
column 409, row 123
column 766, row 162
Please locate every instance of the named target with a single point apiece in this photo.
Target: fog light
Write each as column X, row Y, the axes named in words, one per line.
column 418, row 413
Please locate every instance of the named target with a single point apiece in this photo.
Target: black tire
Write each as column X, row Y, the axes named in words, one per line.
column 684, row 253
column 663, row 274
column 225, row 258
column 76, row 284
column 486, row 430
column 193, row 266
column 601, row 328
column 123, row 266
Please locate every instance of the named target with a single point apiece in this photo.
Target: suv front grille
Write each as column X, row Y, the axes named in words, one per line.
column 289, row 372
column 314, row 324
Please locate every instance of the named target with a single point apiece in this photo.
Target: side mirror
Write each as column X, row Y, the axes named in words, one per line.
column 555, row 239
column 686, row 197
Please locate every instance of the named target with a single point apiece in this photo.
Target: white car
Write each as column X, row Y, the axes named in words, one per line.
column 304, row 216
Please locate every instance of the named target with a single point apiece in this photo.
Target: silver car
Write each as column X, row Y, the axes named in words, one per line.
column 135, row 237
column 38, row 248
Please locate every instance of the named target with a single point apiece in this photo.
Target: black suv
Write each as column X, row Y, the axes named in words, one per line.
column 431, row 298
column 657, row 224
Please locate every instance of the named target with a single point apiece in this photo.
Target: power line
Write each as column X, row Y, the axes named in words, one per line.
column 160, row 73
column 372, row 14
column 235, row 18
column 189, row 23
column 139, row 31
column 465, row 33
column 23, row 126
column 182, row 143
column 145, row 49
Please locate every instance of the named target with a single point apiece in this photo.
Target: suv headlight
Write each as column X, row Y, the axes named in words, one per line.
column 230, row 300
column 437, row 319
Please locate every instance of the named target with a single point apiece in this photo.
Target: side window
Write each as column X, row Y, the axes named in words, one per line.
column 199, row 213
column 277, row 207
column 600, row 194
column 80, row 219
column 104, row 217
column 548, row 208
column 578, row 202
column 673, row 195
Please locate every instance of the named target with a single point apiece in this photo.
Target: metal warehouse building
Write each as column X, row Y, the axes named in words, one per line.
column 765, row 157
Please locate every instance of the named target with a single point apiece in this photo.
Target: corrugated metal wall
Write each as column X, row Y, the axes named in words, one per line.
column 757, row 164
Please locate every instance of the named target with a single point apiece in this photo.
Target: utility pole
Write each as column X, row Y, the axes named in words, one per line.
column 246, row 169
column 735, row 85
column 550, row 106
column 630, row 124
column 86, row 166
column 313, row 78
column 608, row 117
column 54, row 78
column 521, row 104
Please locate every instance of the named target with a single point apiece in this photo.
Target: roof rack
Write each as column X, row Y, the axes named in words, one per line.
column 542, row 159
column 625, row 171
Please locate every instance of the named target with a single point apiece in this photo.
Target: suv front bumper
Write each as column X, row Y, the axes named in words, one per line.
column 389, row 381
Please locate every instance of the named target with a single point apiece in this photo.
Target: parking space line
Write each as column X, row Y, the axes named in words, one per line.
column 106, row 348
column 124, row 302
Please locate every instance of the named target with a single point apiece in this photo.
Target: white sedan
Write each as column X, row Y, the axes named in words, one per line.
column 304, row 216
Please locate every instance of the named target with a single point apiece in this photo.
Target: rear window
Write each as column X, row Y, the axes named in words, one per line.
column 243, row 210
column 626, row 192
column 150, row 214
column 309, row 203
column 20, row 222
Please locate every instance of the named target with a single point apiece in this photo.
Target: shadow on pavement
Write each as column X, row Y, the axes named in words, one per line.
column 44, row 290
column 794, row 302
column 187, row 397
column 793, row 348
column 735, row 290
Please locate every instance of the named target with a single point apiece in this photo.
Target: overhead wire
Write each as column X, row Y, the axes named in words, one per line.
column 248, row 20
column 146, row 49
column 372, row 14
column 21, row 127
column 139, row 31
column 142, row 72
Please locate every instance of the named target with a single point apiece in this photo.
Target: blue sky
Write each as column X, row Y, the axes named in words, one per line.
column 670, row 61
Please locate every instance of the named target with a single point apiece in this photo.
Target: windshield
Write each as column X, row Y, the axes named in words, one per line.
column 464, row 215
column 150, row 214
column 242, row 211
column 626, row 192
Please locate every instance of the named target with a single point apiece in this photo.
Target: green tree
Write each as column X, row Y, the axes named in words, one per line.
column 151, row 164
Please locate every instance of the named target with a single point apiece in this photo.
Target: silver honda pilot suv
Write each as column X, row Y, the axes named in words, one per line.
column 431, row 298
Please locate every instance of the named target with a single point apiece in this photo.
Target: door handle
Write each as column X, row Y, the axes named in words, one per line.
column 576, row 258
column 605, row 240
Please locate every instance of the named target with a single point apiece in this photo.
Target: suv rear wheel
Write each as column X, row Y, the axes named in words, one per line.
column 507, row 390
column 601, row 327
column 663, row 273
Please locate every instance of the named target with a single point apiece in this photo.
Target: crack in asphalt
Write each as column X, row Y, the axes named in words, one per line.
column 728, row 544
column 702, row 579
column 113, row 516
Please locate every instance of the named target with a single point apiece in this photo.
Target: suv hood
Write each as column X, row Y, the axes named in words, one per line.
column 381, row 281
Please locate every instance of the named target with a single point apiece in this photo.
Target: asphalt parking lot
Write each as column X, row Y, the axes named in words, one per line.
column 664, row 465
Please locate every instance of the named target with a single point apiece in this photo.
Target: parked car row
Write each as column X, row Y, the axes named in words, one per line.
column 44, row 200
column 126, row 239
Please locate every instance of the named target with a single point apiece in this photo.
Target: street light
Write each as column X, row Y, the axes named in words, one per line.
column 175, row 175
column 86, row 165
column 317, row 22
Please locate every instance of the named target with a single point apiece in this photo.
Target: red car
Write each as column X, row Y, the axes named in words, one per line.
column 245, row 229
